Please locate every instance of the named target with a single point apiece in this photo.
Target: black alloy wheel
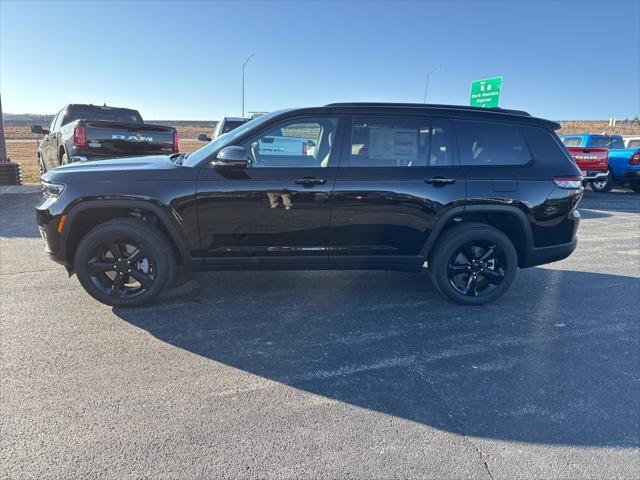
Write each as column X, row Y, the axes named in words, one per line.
column 473, row 263
column 122, row 268
column 477, row 268
column 124, row 262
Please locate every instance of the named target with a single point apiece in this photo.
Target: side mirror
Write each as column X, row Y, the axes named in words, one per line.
column 38, row 129
column 231, row 157
column 203, row 137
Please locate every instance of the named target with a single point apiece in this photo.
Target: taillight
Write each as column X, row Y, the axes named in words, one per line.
column 568, row 182
column 79, row 136
column 176, row 142
column 305, row 148
column 635, row 159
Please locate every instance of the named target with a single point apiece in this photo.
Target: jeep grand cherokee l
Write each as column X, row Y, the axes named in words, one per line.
column 472, row 194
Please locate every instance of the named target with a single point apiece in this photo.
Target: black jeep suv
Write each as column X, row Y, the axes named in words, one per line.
column 471, row 194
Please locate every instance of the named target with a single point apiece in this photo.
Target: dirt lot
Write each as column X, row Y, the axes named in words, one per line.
column 24, row 152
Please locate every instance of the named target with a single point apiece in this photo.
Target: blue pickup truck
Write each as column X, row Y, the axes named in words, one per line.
column 624, row 163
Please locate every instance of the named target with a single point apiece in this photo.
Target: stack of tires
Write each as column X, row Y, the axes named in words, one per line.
column 10, row 173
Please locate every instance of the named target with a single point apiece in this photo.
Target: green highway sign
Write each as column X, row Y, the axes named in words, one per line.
column 486, row 93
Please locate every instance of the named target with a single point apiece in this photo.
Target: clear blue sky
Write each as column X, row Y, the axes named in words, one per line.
column 180, row 60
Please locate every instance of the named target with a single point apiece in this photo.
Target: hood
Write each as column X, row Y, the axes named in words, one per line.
column 153, row 167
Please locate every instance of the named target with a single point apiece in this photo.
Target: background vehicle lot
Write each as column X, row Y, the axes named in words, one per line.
column 283, row 374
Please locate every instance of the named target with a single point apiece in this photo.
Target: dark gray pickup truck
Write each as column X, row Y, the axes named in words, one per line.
column 90, row 132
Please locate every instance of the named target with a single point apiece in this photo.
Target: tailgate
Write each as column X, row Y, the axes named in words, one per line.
column 590, row 159
column 121, row 139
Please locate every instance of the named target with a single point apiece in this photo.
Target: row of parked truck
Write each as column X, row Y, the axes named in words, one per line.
column 606, row 160
column 89, row 132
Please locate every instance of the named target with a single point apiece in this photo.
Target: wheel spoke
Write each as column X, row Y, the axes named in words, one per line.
column 96, row 266
column 116, row 288
column 137, row 255
column 471, row 286
column 494, row 277
column 458, row 269
column 115, row 250
column 489, row 254
column 468, row 252
column 143, row 278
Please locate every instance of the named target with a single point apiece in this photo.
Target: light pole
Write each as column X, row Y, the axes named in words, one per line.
column 244, row 65
column 426, row 87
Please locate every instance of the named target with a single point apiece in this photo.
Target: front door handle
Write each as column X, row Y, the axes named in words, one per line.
column 310, row 181
column 439, row 181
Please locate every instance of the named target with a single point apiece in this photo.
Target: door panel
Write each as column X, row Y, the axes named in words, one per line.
column 390, row 211
column 264, row 212
column 280, row 205
column 397, row 178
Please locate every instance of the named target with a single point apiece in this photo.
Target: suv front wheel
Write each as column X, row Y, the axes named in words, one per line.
column 473, row 264
column 124, row 262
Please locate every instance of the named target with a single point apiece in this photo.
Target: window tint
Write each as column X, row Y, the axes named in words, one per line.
column 572, row 141
column 296, row 143
column 617, row 142
column 399, row 142
column 599, row 141
column 545, row 146
column 230, row 125
column 483, row 143
column 101, row 114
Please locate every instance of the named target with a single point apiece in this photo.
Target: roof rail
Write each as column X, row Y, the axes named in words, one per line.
column 430, row 105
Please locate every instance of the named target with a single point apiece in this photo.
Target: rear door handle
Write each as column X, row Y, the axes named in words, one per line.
column 439, row 181
column 310, row 181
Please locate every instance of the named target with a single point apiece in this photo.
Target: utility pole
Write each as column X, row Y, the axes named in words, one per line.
column 244, row 65
column 426, row 87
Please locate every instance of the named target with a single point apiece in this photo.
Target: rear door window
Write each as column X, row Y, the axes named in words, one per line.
column 399, row 142
column 491, row 144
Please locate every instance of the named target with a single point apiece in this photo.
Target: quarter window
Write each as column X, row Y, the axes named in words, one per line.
column 299, row 143
column 399, row 142
column 483, row 143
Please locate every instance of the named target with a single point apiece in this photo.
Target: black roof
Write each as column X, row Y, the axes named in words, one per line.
column 456, row 111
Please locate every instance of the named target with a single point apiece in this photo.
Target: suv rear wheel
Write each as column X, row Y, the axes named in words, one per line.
column 473, row 264
column 124, row 262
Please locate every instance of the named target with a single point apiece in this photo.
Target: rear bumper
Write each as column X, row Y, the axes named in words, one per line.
column 632, row 176
column 540, row 256
column 590, row 176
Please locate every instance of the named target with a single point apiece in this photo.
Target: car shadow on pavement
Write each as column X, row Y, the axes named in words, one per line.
column 545, row 363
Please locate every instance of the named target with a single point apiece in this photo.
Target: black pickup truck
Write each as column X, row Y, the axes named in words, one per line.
column 90, row 132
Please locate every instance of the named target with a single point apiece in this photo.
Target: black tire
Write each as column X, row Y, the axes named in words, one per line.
column 107, row 254
column 473, row 264
column 635, row 187
column 603, row 186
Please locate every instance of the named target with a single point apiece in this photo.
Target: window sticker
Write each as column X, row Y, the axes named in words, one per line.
column 396, row 143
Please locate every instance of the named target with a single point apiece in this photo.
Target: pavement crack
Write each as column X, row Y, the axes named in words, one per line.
column 482, row 457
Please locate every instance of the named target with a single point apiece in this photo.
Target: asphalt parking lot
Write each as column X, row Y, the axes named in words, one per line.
column 326, row 374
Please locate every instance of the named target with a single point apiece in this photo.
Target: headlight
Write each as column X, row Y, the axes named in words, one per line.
column 52, row 190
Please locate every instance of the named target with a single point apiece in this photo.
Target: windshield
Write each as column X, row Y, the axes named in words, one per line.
column 228, row 138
